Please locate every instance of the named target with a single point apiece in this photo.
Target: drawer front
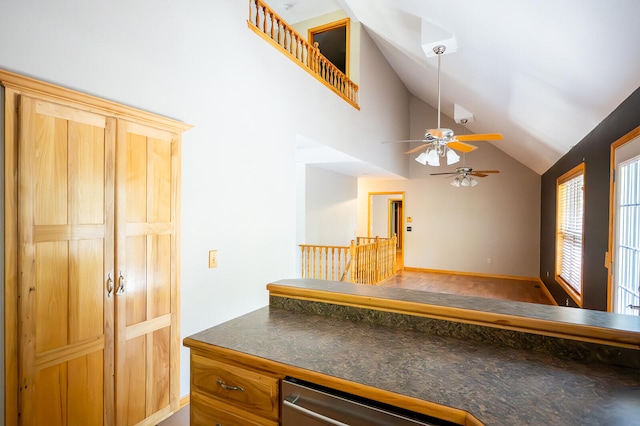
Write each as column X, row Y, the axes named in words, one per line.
column 206, row 411
column 246, row 389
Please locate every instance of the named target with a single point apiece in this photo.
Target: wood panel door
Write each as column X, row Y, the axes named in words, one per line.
column 147, row 330
column 66, row 172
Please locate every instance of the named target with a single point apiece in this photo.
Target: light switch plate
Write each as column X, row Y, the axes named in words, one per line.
column 213, row 258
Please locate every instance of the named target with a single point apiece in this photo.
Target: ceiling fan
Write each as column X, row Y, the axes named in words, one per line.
column 441, row 142
column 465, row 176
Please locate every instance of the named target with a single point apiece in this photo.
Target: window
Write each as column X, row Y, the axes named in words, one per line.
column 569, row 230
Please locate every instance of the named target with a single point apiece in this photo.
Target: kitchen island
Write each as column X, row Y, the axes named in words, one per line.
column 321, row 333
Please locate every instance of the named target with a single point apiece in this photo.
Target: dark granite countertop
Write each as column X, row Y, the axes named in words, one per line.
column 498, row 386
column 560, row 314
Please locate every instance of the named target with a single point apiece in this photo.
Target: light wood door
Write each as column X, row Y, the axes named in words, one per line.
column 65, row 255
column 147, row 345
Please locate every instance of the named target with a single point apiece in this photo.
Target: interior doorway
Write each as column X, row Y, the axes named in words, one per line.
column 333, row 42
column 395, row 220
column 386, row 218
column 624, row 238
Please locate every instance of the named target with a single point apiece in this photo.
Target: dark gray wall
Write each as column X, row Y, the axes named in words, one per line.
column 594, row 150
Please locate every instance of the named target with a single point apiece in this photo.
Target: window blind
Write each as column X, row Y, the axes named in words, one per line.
column 570, row 227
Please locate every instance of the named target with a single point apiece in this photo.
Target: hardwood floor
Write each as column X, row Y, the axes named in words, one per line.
column 470, row 285
column 181, row 418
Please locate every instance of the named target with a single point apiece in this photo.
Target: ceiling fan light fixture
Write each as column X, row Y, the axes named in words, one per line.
column 433, row 159
column 464, row 181
column 468, row 181
column 452, row 157
column 422, row 158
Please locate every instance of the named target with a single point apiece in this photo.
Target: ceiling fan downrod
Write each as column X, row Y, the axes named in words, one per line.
column 439, row 50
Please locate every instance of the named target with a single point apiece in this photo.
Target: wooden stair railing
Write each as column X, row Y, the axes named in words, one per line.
column 271, row 27
column 376, row 260
column 324, row 262
column 368, row 260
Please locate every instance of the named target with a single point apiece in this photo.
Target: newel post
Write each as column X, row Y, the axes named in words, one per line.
column 354, row 261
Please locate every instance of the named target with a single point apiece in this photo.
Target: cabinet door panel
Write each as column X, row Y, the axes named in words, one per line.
column 85, row 395
column 65, row 255
column 160, row 176
column 133, row 409
column 159, row 287
column 52, row 295
column 52, row 405
column 50, row 169
column 86, row 171
column 160, row 369
column 136, row 177
column 86, row 300
column 135, row 297
column 147, row 184
column 83, row 403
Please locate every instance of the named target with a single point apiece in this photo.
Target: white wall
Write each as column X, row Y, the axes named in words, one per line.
column 198, row 62
column 331, row 207
column 379, row 218
column 458, row 229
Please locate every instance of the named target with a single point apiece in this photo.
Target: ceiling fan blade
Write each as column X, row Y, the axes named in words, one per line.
column 417, row 148
column 443, row 173
column 475, row 174
column 480, row 137
column 461, row 146
column 486, row 171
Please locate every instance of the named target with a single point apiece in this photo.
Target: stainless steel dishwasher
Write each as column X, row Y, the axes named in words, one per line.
column 305, row 404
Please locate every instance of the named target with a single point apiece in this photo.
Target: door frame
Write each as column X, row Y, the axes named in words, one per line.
column 392, row 196
column 612, row 205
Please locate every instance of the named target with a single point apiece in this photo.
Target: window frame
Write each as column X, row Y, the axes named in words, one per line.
column 346, row 23
column 571, row 175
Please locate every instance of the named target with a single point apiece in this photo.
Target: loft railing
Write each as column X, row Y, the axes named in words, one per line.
column 368, row 260
column 270, row 26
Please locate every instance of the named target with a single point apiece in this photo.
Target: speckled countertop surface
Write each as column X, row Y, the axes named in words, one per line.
column 496, row 385
column 561, row 314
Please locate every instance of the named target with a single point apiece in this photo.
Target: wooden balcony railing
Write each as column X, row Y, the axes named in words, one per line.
column 270, row 26
column 368, row 260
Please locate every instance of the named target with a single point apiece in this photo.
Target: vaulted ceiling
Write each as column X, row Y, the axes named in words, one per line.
column 544, row 73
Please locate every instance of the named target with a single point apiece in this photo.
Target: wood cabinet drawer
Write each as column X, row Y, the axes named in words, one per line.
column 206, row 411
column 246, row 389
